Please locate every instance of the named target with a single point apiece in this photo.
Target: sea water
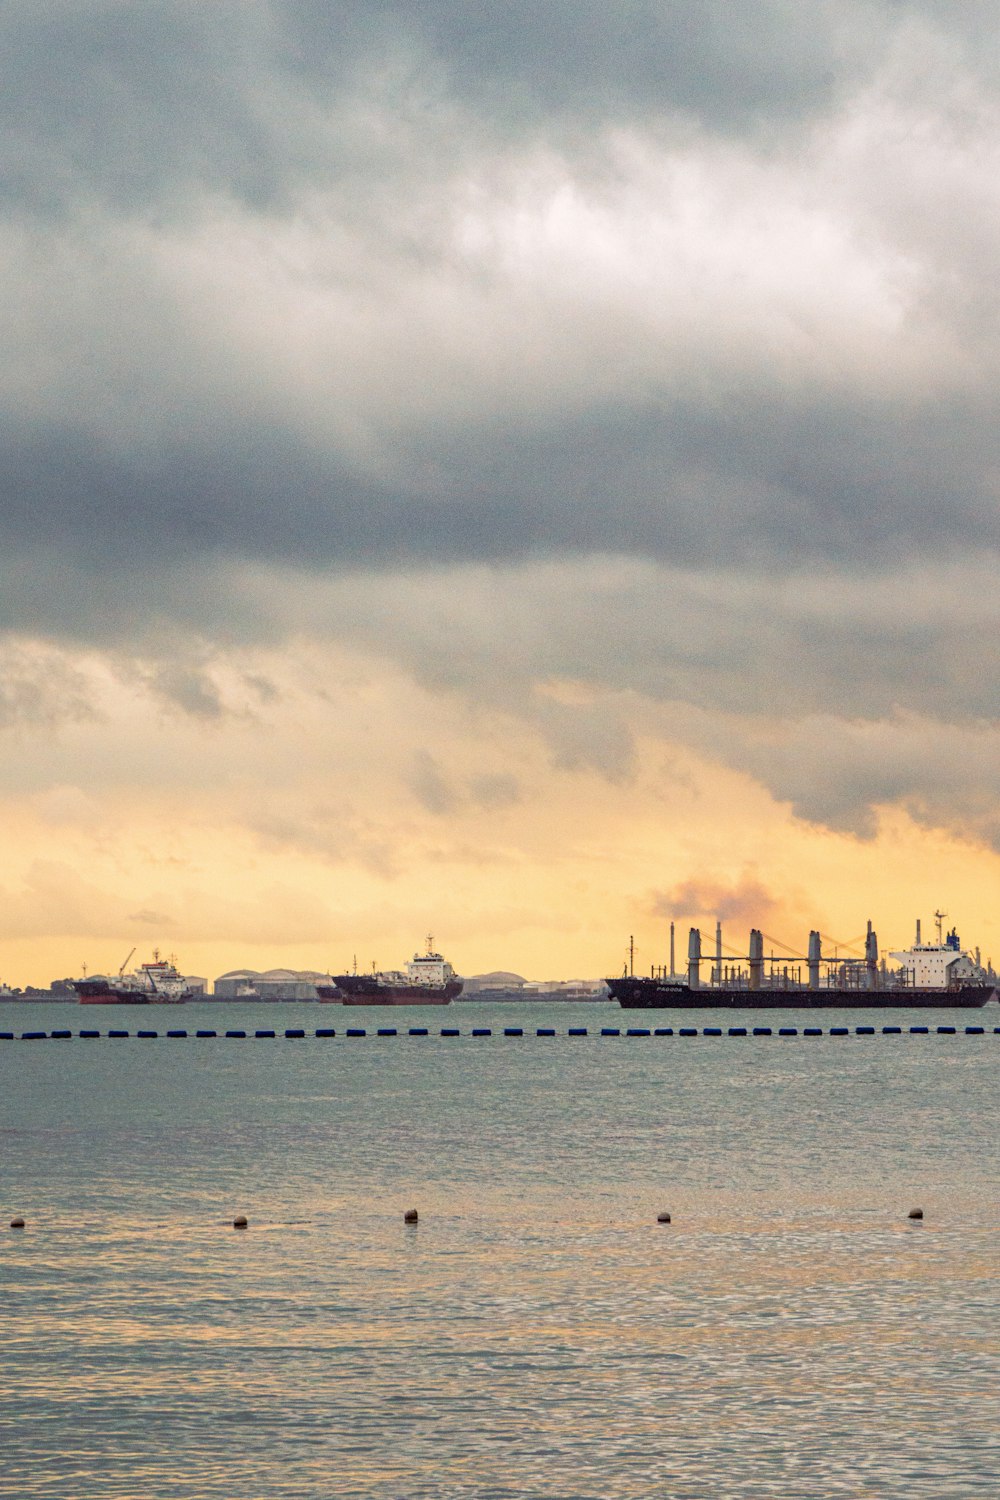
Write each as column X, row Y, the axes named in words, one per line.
column 537, row 1333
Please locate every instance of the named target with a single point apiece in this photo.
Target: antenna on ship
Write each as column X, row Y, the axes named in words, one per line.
column 939, row 917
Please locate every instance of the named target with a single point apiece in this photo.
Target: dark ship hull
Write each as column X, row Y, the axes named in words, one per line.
column 99, row 992
column 633, row 993
column 366, row 989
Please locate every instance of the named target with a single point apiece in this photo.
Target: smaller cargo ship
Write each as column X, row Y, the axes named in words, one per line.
column 157, row 982
column 427, row 980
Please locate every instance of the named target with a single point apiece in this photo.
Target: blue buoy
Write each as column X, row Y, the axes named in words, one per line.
column 711, row 1031
column 241, row 1034
column 840, row 1031
column 351, row 1031
column 61, row 1036
column 812, row 1031
column 206, row 1033
column 664, row 1031
column 892, row 1030
column 762, row 1031
column 296, row 1033
column 864, row 1031
column 450, row 1031
column 687, row 1031
column 918, row 1030
column 737, row 1031
column 637, row 1031
column 545, row 1031
column 264, row 1034
column 577, row 1031
column 89, row 1035
column 787, row 1031
column 117, row 1033
column 387, row 1031
column 513, row 1031
column 8, row 1036
column 481, row 1031
column 610, row 1031
column 148, row 1034
column 42, row 1036
column 946, row 1031
column 418, row 1031
column 974, row 1031
column 325, row 1031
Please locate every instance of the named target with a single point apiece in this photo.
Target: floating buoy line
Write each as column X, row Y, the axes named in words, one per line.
column 350, row 1033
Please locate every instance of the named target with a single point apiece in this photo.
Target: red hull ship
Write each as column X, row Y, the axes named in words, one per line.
column 154, row 983
column 429, row 980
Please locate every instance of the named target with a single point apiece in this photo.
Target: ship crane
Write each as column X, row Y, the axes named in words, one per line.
column 792, row 953
column 121, row 971
column 854, row 942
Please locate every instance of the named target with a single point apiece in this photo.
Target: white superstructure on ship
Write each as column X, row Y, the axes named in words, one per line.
column 941, row 965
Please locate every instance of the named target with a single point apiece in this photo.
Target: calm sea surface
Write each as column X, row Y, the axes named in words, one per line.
column 790, row 1334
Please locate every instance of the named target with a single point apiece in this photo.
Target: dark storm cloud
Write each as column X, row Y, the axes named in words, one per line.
column 140, row 102
column 138, row 427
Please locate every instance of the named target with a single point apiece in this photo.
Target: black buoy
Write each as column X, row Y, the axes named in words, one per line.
column 17, row 1223
column 915, row 1213
column 240, row 1222
column 663, row 1218
column 411, row 1216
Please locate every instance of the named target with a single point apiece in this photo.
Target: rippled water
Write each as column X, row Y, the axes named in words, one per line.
column 791, row 1333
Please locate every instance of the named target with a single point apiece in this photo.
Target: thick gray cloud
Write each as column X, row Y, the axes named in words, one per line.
column 325, row 283
column 142, row 103
column 661, row 337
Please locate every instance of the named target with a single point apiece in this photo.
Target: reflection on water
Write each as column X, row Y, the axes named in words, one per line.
column 791, row 1333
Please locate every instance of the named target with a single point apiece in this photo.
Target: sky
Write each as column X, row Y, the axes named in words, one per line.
column 521, row 473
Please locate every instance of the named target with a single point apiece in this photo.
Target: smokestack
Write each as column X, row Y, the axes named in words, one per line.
column 871, row 959
column 756, row 959
column 673, row 970
column 815, row 955
column 694, row 958
column 917, row 943
column 717, row 976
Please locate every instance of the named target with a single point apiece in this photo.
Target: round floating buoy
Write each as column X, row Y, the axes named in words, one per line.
column 915, row 1213
column 663, row 1218
column 17, row 1223
column 240, row 1222
column 411, row 1216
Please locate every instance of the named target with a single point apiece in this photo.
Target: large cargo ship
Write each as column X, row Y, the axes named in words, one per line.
column 155, row 983
column 937, row 974
column 428, row 980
